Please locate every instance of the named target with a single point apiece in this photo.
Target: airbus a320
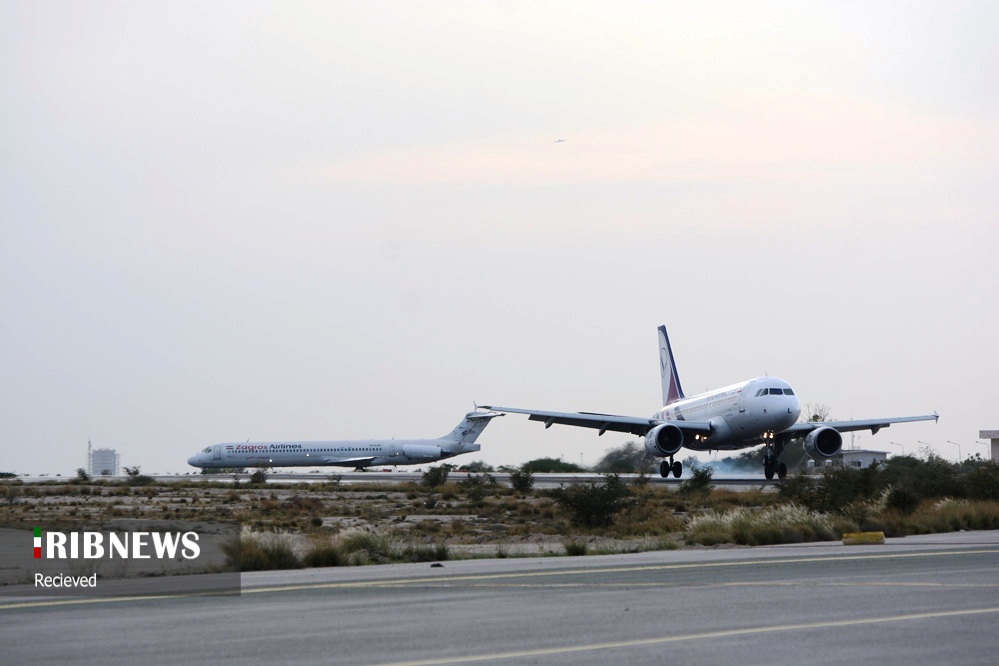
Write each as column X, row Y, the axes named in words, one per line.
column 758, row 411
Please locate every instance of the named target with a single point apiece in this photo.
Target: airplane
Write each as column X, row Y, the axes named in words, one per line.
column 753, row 412
column 559, row 140
column 352, row 453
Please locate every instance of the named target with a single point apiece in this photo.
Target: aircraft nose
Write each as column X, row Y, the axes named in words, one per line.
column 193, row 460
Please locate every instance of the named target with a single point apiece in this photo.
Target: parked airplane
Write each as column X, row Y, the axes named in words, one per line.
column 352, row 453
column 758, row 411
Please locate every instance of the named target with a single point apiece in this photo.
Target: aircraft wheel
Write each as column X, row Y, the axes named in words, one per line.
column 677, row 469
column 664, row 469
column 768, row 471
column 781, row 471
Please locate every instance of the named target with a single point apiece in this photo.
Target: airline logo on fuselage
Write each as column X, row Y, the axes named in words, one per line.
column 263, row 447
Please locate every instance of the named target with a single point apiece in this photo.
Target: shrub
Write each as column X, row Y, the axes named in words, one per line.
column 436, row 476
column 259, row 476
column 698, row 484
column 983, row 483
column 789, row 523
column 550, row 466
column 575, row 548
column 254, row 554
column 902, row 500
column 324, row 555
column 594, row 504
column 522, row 481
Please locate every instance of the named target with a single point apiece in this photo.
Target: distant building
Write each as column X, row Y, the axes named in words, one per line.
column 992, row 435
column 857, row 458
column 102, row 462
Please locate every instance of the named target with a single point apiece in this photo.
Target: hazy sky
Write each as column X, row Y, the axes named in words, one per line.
column 255, row 220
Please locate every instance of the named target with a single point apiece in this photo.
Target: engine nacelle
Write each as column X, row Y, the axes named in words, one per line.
column 664, row 440
column 824, row 442
column 421, row 452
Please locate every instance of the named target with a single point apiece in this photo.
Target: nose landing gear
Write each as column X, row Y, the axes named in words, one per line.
column 771, row 464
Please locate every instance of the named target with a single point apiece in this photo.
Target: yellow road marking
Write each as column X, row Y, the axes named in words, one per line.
column 617, row 645
column 445, row 579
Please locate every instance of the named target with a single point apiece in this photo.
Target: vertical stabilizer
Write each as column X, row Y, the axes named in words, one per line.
column 471, row 427
column 672, row 391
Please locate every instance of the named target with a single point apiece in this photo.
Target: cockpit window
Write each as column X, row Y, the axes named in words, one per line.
column 207, row 449
column 774, row 391
column 788, row 392
column 761, row 392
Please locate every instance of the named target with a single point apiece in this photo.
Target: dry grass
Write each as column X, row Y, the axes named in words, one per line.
column 335, row 525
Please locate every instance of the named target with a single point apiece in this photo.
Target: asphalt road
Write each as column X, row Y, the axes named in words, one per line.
column 919, row 600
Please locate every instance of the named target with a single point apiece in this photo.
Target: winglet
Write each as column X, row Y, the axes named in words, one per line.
column 672, row 391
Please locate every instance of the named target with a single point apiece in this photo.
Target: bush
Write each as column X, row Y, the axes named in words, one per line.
column 903, row 501
column 436, row 475
column 522, row 481
column 550, row 466
column 324, row 555
column 630, row 458
column 697, row 484
column 575, row 548
column 594, row 504
column 251, row 554
column 259, row 477
column 983, row 483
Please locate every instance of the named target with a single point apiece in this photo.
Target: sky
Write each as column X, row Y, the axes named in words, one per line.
column 281, row 220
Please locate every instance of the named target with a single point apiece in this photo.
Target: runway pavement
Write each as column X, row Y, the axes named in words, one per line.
column 919, row 600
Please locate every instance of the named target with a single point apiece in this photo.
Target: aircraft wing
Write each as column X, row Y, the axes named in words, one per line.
column 635, row 425
column 866, row 424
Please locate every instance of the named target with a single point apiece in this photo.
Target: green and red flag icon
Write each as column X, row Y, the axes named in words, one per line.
column 38, row 543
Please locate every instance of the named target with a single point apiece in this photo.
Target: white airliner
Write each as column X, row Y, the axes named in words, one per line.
column 351, row 453
column 758, row 411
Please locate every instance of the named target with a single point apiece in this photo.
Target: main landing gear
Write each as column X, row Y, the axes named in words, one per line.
column 771, row 464
column 671, row 467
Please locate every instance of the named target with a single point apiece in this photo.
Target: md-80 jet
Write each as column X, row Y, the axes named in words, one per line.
column 757, row 411
column 352, row 453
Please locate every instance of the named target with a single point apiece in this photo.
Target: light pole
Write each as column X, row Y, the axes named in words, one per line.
column 959, row 459
column 899, row 446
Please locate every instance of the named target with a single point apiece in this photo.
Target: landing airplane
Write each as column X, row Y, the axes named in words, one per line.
column 352, row 453
column 757, row 411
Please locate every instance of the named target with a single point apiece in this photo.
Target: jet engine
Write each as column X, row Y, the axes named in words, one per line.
column 664, row 440
column 418, row 451
column 824, row 442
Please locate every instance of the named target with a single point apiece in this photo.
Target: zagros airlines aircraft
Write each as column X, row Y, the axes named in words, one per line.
column 758, row 411
column 351, row 453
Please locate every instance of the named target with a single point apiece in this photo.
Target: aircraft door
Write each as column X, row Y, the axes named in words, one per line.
column 217, row 452
column 742, row 401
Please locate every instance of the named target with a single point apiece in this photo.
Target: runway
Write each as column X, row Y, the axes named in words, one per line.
column 932, row 599
column 350, row 477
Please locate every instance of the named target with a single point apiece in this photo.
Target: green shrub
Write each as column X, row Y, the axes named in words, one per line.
column 522, row 481
column 982, row 483
column 575, row 548
column 594, row 504
column 902, row 500
column 436, row 476
column 697, row 484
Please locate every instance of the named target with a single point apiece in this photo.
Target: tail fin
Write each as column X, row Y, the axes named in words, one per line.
column 471, row 427
column 672, row 391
